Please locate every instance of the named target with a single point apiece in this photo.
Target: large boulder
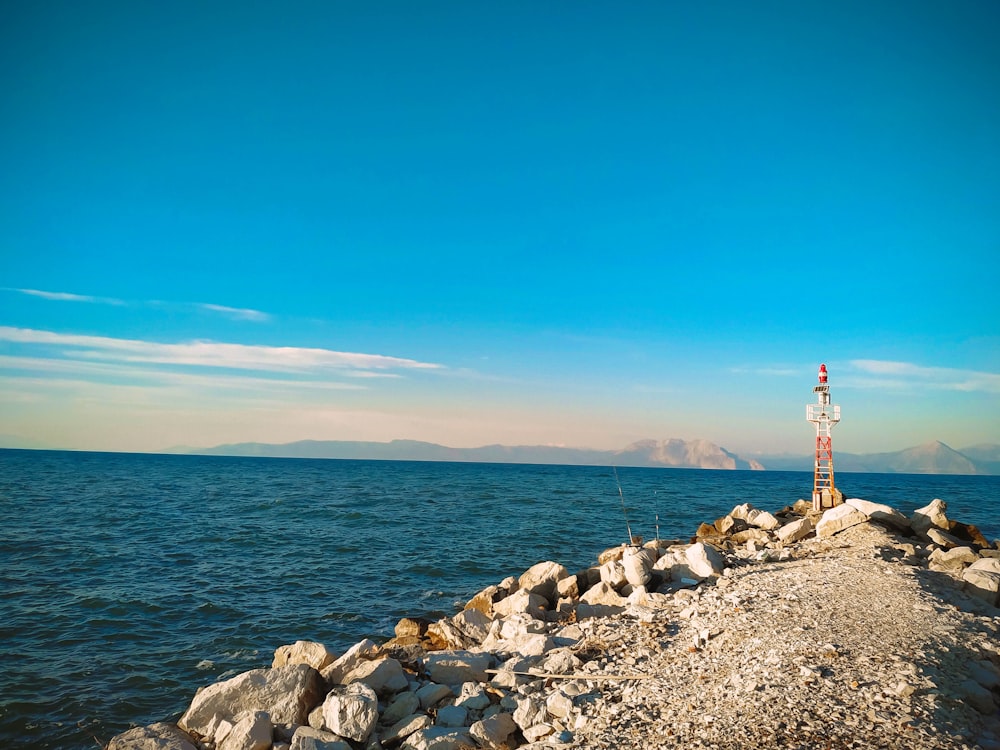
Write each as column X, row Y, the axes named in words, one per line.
column 982, row 579
column 432, row 694
column 494, row 730
column 613, row 573
column 931, row 515
column 466, row 629
column 307, row 738
column 303, row 652
column 520, row 635
column 159, row 736
column 763, row 520
column 521, row 602
column 439, row 738
column 704, row 560
column 794, row 531
column 542, row 578
column 360, row 651
column 403, row 705
column 457, row 667
column 351, row 711
column 750, row 535
column 953, row 560
column 729, row 525
column 407, row 725
column 286, row 693
column 884, row 514
column 942, row 538
column 483, row 601
column 604, row 594
column 385, row 675
column 968, row 533
column 252, row 731
column 838, row 518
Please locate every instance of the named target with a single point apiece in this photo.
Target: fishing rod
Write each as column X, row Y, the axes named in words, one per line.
column 628, row 527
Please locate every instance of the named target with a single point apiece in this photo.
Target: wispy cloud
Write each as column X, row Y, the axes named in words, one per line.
column 907, row 375
column 236, row 313
column 68, row 297
column 210, row 354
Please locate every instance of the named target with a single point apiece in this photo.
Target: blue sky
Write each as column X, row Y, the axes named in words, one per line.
column 525, row 223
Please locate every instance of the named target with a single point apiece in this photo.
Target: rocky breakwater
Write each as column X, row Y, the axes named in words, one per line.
column 858, row 627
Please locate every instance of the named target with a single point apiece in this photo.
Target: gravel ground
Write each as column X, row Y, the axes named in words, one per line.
column 836, row 647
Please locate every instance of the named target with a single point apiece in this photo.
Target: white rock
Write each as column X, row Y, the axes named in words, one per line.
column 742, row 512
column 529, row 711
column 837, row 519
column 385, row 675
column 613, row 574
column 493, row 731
column 452, row 716
column 314, row 654
column 402, row 705
column 603, row 593
column 879, row 512
column 405, row 727
column 764, row 520
column 954, row 559
column 560, row 661
column 351, row 711
column 559, row 705
column 287, row 694
column 474, row 624
column 794, row 531
column 473, row 697
column 457, row 667
column 360, row 651
column 942, row 538
column 931, row 515
column 704, row 560
column 982, row 579
column 159, row 736
column 758, row 536
column 537, row 732
column 438, row 738
column 568, row 588
column 542, row 579
column 521, row 602
column 987, row 564
column 431, row 694
column 307, row 738
column 532, row 644
column 252, row 731
column 666, row 561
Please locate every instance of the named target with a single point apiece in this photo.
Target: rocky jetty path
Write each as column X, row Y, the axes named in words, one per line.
column 855, row 628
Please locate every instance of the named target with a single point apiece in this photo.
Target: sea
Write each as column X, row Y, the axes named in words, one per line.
column 130, row 580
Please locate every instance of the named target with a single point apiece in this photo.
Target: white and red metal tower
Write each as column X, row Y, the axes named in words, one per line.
column 824, row 415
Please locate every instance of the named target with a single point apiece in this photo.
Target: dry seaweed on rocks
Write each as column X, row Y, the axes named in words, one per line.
column 855, row 628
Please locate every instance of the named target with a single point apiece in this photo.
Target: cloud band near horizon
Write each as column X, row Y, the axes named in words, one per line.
column 212, row 354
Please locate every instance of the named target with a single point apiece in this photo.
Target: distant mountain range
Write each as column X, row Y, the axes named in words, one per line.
column 700, row 454
column 930, row 458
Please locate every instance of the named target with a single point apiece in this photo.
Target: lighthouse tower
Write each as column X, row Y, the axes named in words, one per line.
column 824, row 415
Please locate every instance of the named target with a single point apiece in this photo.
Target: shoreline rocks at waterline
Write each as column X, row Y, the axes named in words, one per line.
column 554, row 658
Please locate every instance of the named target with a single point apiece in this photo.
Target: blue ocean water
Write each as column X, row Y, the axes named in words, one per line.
column 130, row 580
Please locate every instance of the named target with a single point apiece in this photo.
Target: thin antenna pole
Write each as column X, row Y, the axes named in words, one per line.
column 628, row 528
